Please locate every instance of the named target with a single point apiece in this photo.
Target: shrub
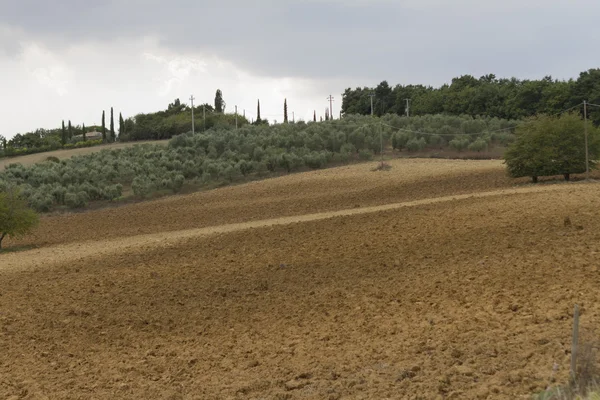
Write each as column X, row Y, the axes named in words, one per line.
column 415, row 144
column 478, row 145
column 459, row 143
column 76, row 200
column 365, row 154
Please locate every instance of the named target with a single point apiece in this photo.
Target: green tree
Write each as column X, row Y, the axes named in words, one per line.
column 547, row 146
column 219, row 102
column 315, row 116
column 70, row 131
column 112, row 126
column 121, row 125
column 258, row 120
column 63, row 138
column 103, row 128
column 84, row 132
column 16, row 218
column 285, row 114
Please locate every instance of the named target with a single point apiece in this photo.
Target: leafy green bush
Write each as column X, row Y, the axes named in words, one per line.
column 365, row 154
column 478, row 145
column 415, row 144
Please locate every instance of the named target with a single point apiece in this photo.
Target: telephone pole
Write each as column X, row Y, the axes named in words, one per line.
column 192, row 100
column 235, row 117
column 330, row 98
column 408, row 107
column 371, row 96
column 587, row 155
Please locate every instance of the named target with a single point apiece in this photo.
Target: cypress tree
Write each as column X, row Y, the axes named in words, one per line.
column 285, row 116
column 70, row 130
column 121, row 125
column 84, row 132
column 103, row 128
column 326, row 114
column 112, row 126
column 315, row 116
column 219, row 102
column 258, row 120
column 63, row 138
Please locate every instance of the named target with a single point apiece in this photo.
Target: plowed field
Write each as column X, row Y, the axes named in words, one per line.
column 437, row 279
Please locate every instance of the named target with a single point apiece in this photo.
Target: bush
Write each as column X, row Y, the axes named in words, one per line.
column 478, row 145
column 365, row 154
column 76, row 200
column 460, row 143
column 415, row 144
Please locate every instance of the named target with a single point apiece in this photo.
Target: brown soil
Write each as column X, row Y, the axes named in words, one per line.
column 425, row 298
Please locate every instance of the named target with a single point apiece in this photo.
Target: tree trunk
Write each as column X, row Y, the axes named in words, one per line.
column 567, row 177
column 534, row 179
column 1, row 237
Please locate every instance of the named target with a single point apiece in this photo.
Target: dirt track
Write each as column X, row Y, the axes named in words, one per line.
column 424, row 298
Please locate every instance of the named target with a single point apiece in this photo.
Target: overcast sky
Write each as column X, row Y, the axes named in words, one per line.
column 70, row 59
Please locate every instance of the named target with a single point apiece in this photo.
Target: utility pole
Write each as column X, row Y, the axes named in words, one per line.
column 204, row 115
column 192, row 100
column 235, row 117
column 381, row 139
column 371, row 96
column 407, row 107
column 587, row 155
column 330, row 98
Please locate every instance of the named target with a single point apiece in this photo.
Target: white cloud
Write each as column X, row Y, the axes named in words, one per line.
column 80, row 81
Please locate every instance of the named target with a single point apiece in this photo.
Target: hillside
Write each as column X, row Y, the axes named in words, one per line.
column 436, row 278
column 62, row 154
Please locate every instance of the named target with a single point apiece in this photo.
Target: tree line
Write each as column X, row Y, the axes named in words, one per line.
column 466, row 95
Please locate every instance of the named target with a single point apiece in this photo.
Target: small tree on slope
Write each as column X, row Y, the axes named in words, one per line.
column 548, row 146
column 16, row 218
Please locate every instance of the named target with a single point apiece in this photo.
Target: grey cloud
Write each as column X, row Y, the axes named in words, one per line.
column 426, row 41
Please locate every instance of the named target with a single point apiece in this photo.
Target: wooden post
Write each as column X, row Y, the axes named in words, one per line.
column 574, row 343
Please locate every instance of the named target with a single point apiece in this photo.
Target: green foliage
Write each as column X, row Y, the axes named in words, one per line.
column 87, row 143
column 478, row 145
column 415, row 144
column 103, row 128
column 460, row 143
column 112, row 126
column 219, row 102
column 222, row 155
column 365, row 154
column 547, row 146
column 63, row 134
column 488, row 95
column 16, row 218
